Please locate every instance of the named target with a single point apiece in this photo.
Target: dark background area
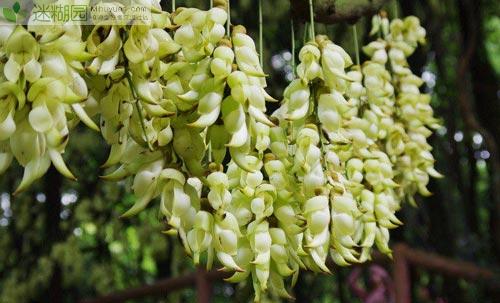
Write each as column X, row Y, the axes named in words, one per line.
column 62, row 241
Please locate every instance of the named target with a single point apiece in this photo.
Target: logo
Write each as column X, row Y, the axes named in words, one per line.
column 108, row 12
column 12, row 14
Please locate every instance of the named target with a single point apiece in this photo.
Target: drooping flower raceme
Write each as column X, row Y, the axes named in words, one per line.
column 42, row 94
column 182, row 104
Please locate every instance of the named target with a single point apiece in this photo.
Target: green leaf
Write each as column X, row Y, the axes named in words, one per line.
column 9, row 14
column 16, row 7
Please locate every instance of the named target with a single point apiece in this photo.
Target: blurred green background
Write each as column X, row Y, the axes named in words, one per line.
column 63, row 241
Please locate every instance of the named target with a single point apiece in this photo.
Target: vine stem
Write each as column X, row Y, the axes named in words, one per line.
column 379, row 32
column 211, row 3
column 312, row 100
column 261, row 40
column 356, row 45
column 135, row 96
column 138, row 108
column 292, row 29
column 173, row 6
column 307, row 30
column 396, row 11
column 209, row 151
column 311, row 15
column 228, row 24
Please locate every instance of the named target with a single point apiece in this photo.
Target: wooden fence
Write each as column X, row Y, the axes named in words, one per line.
column 403, row 258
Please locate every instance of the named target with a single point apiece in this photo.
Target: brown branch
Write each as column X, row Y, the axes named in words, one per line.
column 336, row 11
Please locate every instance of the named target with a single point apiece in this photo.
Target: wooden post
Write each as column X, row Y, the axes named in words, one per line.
column 204, row 287
column 401, row 275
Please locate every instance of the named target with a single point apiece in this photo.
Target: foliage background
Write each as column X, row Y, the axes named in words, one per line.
column 62, row 241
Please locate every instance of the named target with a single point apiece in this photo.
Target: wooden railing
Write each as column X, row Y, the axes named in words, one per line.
column 201, row 280
column 404, row 257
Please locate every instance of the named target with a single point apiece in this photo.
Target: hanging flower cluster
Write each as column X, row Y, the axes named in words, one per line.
column 42, row 94
column 414, row 110
column 406, row 139
column 182, row 103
